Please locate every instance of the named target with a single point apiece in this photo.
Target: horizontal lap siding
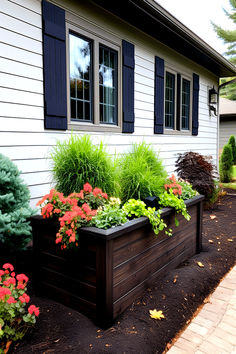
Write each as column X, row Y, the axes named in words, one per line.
column 22, row 134
column 226, row 130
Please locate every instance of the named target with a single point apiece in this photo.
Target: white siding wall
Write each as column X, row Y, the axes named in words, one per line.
column 226, row 130
column 22, row 134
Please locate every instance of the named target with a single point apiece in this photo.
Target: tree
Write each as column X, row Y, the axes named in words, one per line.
column 233, row 146
column 229, row 37
column 15, row 229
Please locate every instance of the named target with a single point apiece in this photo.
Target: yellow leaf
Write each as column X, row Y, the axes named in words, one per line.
column 157, row 315
column 200, row 264
column 210, row 241
column 212, row 217
column 230, row 240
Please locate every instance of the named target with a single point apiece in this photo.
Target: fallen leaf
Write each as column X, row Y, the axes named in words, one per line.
column 230, row 240
column 57, row 340
column 157, row 315
column 99, row 337
column 144, row 303
column 200, row 264
column 168, row 345
column 175, row 279
column 108, row 345
column 210, row 241
column 98, row 330
column 212, row 217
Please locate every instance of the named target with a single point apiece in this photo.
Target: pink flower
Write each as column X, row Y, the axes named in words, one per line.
column 8, row 266
column 11, row 300
column 4, row 292
column 22, row 277
column 22, row 299
column 87, row 187
column 2, row 272
column 33, row 310
column 26, row 297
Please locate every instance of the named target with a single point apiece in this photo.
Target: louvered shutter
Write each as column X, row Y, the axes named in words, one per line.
column 195, row 104
column 159, row 96
column 54, row 66
column 128, row 87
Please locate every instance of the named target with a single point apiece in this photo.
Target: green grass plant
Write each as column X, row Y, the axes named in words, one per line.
column 140, row 173
column 78, row 161
column 226, row 162
column 228, row 185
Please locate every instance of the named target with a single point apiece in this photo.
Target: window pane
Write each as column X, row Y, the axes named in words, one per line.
column 73, row 108
column 185, row 106
column 108, row 73
column 170, row 100
column 80, row 77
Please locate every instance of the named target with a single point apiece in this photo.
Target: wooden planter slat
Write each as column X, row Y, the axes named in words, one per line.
column 111, row 268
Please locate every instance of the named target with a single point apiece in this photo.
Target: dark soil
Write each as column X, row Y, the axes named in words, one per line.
column 60, row 329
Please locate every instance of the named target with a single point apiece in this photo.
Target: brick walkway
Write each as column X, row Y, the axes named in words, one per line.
column 213, row 330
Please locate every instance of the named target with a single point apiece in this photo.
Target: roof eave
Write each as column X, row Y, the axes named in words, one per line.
column 154, row 20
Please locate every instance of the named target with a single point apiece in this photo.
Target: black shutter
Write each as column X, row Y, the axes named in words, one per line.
column 54, row 66
column 195, row 104
column 159, row 96
column 178, row 110
column 128, row 87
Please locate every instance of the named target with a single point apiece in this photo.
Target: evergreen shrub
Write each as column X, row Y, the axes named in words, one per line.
column 226, row 161
column 233, row 146
column 141, row 173
column 78, row 161
column 15, row 229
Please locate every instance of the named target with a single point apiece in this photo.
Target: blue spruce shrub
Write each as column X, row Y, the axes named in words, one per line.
column 15, row 229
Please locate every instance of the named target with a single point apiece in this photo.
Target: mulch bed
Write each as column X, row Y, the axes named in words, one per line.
column 60, row 329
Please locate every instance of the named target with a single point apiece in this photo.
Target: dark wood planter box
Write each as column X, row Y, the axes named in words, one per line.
column 111, row 268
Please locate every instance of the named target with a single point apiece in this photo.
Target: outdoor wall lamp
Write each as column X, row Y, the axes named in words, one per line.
column 213, row 100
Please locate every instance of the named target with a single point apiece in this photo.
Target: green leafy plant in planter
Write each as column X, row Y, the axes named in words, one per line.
column 77, row 161
column 110, row 215
column 15, row 229
column 15, row 320
column 140, row 173
column 138, row 208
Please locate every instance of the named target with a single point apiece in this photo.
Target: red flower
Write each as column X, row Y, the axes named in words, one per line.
column 8, row 266
column 97, row 191
column 33, row 310
column 87, row 187
column 11, row 300
column 22, row 277
column 2, row 272
column 26, row 297
column 4, row 292
column 22, row 299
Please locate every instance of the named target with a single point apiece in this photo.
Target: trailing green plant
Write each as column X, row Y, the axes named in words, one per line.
column 169, row 199
column 110, row 215
column 140, row 173
column 78, row 161
column 197, row 170
column 233, row 146
column 226, row 161
column 138, row 208
column 15, row 229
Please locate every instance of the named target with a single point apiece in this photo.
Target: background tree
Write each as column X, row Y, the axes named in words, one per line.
column 229, row 37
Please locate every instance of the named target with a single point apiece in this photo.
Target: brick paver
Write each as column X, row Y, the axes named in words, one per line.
column 213, row 330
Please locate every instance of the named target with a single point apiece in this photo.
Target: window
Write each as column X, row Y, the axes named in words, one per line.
column 94, row 78
column 170, row 101
column 107, row 85
column 177, row 103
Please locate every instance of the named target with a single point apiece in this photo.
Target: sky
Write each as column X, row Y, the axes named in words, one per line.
column 197, row 16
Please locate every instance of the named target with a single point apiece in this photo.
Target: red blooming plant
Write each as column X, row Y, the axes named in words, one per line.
column 73, row 212
column 15, row 318
column 174, row 186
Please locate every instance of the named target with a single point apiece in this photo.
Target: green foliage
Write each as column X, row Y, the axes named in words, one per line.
column 78, row 161
column 229, row 36
column 15, row 229
column 138, row 208
column 233, row 146
column 226, row 161
column 169, row 199
column 111, row 215
column 140, row 173
column 187, row 190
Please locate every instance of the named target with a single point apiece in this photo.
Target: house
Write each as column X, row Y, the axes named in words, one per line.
column 122, row 71
column 227, row 110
